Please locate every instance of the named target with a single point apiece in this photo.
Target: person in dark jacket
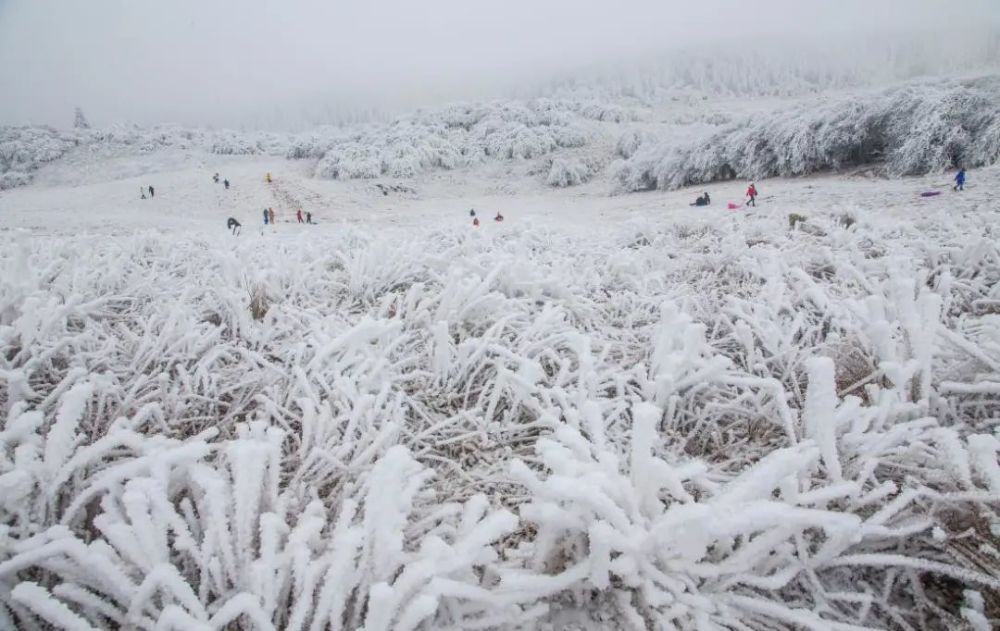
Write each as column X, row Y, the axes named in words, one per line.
column 959, row 181
column 215, row 178
column 498, row 218
column 309, row 217
column 266, row 216
column 704, row 200
column 150, row 191
column 472, row 212
column 226, row 184
column 234, row 225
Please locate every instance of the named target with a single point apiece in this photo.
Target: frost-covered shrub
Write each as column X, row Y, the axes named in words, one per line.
column 454, row 136
column 629, row 142
column 13, row 179
column 607, row 113
column 568, row 172
column 912, row 130
column 349, row 161
column 25, row 149
column 234, row 144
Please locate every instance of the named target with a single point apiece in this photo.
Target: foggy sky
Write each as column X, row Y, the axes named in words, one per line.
column 251, row 62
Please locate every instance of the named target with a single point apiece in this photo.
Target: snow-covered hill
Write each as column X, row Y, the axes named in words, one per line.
column 604, row 412
column 625, row 142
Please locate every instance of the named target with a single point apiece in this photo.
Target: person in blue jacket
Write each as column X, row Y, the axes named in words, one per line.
column 959, row 181
column 266, row 216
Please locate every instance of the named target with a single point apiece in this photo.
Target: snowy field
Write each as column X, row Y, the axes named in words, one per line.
column 611, row 411
column 608, row 412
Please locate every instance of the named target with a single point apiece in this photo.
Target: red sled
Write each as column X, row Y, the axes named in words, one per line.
column 733, row 206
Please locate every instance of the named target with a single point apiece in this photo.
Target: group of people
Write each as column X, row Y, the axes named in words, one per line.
column 475, row 219
column 751, row 194
column 751, row 198
column 269, row 216
column 144, row 189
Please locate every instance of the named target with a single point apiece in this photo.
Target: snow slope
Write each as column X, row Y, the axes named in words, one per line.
column 613, row 412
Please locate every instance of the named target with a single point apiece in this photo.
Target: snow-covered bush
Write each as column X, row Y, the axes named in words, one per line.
column 654, row 423
column 25, row 149
column 452, row 137
column 234, row 144
column 912, row 130
column 568, row 172
column 13, row 179
column 629, row 142
column 607, row 113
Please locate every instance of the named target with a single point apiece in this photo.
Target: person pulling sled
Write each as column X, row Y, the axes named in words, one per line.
column 752, row 195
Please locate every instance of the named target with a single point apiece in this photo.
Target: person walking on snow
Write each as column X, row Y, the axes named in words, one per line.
column 266, row 215
column 226, row 184
column 150, row 191
column 309, row 217
column 268, row 177
column 472, row 212
column 142, row 192
column 215, row 178
column 475, row 222
column 234, row 225
column 752, row 194
column 270, row 211
column 959, row 181
column 498, row 218
column 298, row 215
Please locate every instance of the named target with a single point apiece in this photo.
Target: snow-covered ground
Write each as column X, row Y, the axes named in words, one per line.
column 609, row 411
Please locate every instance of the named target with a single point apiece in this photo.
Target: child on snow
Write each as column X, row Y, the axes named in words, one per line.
column 298, row 215
column 959, row 181
column 752, row 194
column 703, row 200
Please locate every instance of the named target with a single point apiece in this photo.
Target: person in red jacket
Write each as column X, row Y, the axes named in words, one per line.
column 475, row 222
column 752, row 194
column 298, row 215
